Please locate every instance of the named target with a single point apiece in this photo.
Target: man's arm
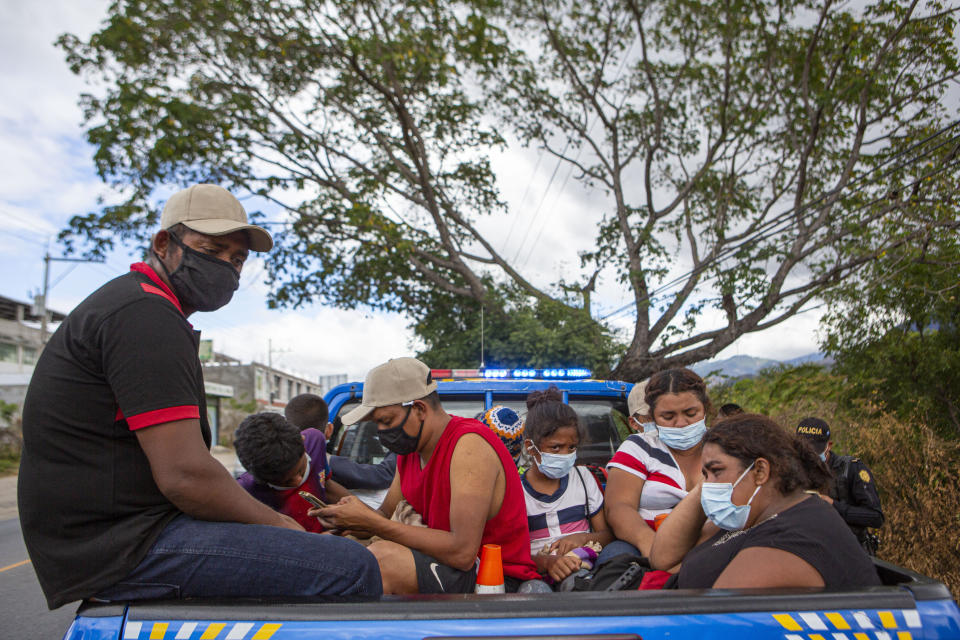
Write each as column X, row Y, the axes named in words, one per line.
column 863, row 510
column 195, row 482
column 474, row 469
column 355, row 475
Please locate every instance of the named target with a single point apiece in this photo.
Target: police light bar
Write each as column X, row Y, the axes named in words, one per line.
column 441, row 374
column 530, row 374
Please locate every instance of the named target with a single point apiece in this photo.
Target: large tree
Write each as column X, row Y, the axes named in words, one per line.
column 745, row 150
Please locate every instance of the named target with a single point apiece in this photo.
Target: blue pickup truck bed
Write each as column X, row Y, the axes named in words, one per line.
column 909, row 606
column 918, row 608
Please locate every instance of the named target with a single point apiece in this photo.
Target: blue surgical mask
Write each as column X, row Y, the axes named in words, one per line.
column 556, row 465
column 649, row 427
column 717, row 503
column 823, row 456
column 683, row 438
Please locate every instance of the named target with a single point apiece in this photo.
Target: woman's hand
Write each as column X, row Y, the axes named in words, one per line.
column 568, row 543
column 559, row 567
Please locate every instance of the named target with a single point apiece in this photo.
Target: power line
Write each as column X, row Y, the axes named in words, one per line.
column 769, row 233
column 792, row 212
column 28, row 222
column 526, row 191
column 560, row 160
column 536, row 213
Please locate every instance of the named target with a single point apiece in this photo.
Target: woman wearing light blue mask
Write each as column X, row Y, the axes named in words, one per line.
column 763, row 528
column 564, row 502
column 651, row 472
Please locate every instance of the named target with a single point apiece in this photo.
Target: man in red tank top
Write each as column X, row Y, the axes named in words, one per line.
column 453, row 471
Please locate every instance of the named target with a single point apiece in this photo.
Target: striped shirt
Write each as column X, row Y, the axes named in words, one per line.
column 646, row 457
column 551, row 517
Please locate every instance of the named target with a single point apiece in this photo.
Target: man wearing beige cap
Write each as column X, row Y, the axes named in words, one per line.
column 119, row 496
column 455, row 472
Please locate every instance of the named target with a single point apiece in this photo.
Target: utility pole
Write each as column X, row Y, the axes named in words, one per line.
column 41, row 301
column 481, row 336
column 270, row 352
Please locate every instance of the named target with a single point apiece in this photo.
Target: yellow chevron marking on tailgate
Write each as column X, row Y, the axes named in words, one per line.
column 266, row 631
column 816, row 636
column 213, row 631
column 861, row 636
column 887, row 619
column 904, row 635
column 159, row 630
column 787, row 621
column 837, row 620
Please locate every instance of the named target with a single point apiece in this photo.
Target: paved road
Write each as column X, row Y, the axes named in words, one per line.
column 23, row 611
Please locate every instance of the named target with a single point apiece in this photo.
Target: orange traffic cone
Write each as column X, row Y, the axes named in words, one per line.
column 490, row 573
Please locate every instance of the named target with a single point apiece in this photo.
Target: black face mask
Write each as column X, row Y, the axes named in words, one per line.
column 396, row 439
column 201, row 282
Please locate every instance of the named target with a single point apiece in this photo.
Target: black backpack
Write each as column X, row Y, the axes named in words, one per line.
column 620, row 573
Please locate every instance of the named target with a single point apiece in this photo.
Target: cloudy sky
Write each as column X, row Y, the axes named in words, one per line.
column 46, row 176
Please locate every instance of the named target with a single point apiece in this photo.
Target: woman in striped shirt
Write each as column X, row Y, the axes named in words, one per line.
column 650, row 473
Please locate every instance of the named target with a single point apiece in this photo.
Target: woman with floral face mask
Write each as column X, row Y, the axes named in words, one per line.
column 651, row 472
column 564, row 503
column 758, row 481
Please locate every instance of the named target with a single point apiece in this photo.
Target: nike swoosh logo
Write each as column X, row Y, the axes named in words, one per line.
column 433, row 567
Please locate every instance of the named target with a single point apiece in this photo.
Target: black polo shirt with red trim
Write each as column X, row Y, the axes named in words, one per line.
column 124, row 359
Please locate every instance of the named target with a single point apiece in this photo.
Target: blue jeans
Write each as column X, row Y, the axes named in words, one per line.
column 614, row 549
column 197, row 558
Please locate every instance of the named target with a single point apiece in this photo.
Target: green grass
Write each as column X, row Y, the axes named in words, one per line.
column 9, row 465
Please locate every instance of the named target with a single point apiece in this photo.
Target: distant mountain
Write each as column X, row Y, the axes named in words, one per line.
column 747, row 366
column 810, row 358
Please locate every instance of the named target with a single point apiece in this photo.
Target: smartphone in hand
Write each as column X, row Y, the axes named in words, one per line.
column 312, row 499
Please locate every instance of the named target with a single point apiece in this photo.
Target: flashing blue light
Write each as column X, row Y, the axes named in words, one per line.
column 557, row 373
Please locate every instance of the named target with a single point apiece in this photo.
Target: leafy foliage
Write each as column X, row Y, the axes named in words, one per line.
column 518, row 332
column 790, row 392
column 895, row 333
column 773, row 148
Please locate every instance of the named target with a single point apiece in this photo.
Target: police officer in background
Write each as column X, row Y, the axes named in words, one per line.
column 853, row 492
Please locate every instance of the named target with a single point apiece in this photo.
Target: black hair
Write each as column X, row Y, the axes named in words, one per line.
column 432, row 399
column 730, row 409
column 268, row 446
column 546, row 413
column 676, row 381
column 307, row 411
column 748, row 436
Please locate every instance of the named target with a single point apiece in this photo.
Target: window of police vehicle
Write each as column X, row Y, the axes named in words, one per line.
column 603, row 420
